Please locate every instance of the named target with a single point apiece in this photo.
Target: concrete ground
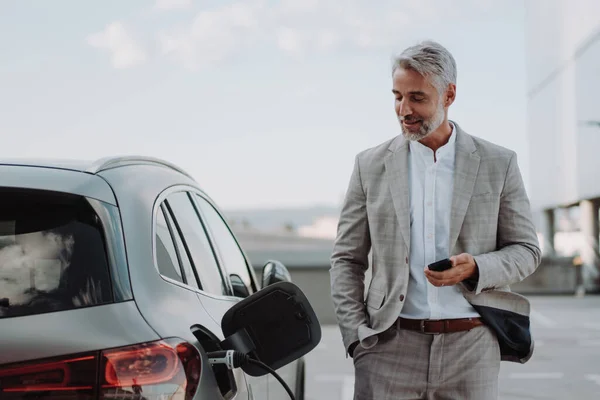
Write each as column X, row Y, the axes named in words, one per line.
column 565, row 364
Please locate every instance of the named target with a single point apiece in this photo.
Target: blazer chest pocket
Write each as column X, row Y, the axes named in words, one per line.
column 375, row 299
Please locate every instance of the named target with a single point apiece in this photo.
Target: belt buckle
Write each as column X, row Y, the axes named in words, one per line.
column 422, row 329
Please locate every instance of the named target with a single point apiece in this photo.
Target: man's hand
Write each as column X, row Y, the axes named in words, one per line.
column 463, row 267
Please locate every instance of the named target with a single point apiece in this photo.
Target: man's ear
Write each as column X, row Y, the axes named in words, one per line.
column 450, row 95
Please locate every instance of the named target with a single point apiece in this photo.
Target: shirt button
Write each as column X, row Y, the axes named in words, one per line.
column 406, row 259
column 401, row 297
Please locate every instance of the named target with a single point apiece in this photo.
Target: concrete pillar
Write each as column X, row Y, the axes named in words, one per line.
column 590, row 229
column 548, row 231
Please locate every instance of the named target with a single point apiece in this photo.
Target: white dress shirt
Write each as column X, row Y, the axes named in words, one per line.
column 431, row 185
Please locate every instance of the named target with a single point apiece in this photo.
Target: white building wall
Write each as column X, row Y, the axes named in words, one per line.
column 563, row 68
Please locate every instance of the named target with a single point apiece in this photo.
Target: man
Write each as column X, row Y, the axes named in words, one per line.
column 432, row 193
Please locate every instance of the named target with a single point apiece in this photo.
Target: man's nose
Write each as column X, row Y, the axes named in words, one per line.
column 404, row 109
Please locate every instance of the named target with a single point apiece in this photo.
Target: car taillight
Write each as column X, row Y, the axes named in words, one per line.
column 165, row 369
column 57, row 379
column 155, row 369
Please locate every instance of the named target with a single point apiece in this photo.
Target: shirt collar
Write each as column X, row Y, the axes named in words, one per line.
column 425, row 151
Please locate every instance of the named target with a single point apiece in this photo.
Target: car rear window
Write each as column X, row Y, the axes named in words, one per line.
column 52, row 254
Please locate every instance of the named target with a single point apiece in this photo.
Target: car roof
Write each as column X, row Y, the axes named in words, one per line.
column 95, row 166
column 83, row 177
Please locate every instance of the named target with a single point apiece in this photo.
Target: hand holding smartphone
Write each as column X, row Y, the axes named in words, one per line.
column 441, row 265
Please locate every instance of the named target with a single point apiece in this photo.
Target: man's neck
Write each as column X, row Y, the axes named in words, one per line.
column 439, row 137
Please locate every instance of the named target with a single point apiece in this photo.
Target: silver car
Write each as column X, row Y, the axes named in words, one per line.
column 115, row 278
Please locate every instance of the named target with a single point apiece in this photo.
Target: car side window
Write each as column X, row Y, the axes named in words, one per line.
column 166, row 255
column 195, row 239
column 227, row 246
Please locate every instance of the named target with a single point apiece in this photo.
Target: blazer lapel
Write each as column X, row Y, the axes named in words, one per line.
column 396, row 170
column 466, row 166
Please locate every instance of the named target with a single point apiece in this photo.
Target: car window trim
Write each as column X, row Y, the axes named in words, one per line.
column 157, row 202
column 249, row 267
column 110, row 219
column 170, row 229
column 222, row 268
column 171, row 220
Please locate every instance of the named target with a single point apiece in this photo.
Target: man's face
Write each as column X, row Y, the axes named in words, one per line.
column 418, row 104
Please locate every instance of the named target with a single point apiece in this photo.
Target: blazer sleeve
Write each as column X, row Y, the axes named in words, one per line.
column 518, row 253
column 349, row 260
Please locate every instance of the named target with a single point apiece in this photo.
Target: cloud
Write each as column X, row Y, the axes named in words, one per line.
column 213, row 35
column 296, row 28
column 172, row 4
column 223, row 32
column 291, row 40
column 125, row 51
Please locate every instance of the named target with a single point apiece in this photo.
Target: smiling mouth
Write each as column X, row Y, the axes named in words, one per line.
column 411, row 123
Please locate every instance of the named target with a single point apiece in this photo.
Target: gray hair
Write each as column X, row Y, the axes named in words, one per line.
column 430, row 59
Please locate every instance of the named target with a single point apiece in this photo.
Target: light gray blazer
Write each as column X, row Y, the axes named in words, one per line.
column 491, row 219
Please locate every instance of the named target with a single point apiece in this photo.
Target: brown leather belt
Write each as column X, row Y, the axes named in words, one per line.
column 434, row 327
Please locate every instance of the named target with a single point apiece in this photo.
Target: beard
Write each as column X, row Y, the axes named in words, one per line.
column 427, row 125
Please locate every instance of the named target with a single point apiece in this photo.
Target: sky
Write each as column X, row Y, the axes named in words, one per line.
column 266, row 103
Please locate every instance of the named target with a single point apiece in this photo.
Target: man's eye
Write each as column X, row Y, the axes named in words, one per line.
column 418, row 99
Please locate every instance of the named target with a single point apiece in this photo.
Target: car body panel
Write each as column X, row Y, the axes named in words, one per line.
column 73, row 331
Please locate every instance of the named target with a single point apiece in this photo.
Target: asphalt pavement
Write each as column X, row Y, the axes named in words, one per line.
column 565, row 364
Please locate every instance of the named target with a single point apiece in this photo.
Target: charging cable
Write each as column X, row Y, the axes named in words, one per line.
column 235, row 359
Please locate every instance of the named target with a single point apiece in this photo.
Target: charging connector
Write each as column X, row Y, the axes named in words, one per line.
column 231, row 358
column 235, row 359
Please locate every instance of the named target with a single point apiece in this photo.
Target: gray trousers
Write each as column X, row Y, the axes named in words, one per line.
column 411, row 365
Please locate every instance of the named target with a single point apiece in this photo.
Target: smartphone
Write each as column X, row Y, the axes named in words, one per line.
column 441, row 265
